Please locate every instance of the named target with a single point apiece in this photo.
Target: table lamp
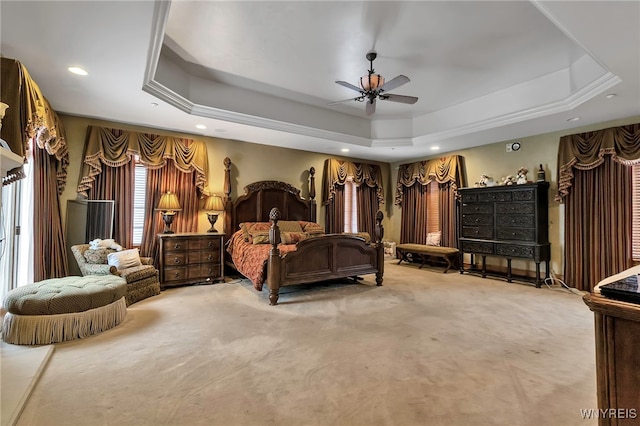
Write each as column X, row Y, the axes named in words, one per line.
column 168, row 205
column 215, row 205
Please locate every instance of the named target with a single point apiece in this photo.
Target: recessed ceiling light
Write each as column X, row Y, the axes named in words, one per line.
column 345, row 150
column 220, row 130
column 435, row 148
column 155, row 104
column 201, row 126
column 77, row 70
column 573, row 119
column 611, row 95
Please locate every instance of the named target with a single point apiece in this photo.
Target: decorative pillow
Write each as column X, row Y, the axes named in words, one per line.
column 433, row 238
column 124, row 259
column 249, row 227
column 290, row 226
column 312, row 228
column 97, row 257
column 292, row 237
column 260, row 237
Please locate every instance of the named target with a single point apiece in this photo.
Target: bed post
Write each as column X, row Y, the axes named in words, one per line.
column 312, row 195
column 273, row 270
column 379, row 231
column 227, row 199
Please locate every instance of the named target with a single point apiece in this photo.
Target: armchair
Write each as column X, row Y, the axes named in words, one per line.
column 142, row 281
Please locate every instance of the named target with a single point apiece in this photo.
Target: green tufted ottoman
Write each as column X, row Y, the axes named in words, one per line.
column 61, row 309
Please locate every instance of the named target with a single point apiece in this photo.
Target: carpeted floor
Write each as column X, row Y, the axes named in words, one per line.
column 425, row 349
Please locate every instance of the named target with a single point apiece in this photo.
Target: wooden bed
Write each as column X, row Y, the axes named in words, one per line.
column 327, row 257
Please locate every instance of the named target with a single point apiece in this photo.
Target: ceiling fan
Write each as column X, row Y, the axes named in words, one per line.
column 373, row 86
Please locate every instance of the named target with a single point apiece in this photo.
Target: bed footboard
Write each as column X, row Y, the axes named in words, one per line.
column 323, row 258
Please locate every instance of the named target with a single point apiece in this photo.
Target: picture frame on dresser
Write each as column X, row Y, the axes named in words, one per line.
column 190, row 258
column 510, row 222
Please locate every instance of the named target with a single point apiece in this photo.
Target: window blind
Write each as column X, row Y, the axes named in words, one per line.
column 433, row 207
column 139, row 200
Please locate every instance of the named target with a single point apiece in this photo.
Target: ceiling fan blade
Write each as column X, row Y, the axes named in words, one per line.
column 394, row 82
column 349, row 86
column 371, row 106
column 359, row 98
column 399, row 98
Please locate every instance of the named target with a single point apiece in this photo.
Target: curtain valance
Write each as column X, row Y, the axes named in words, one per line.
column 585, row 151
column 30, row 116
column 442, row 170
column 116, row 147
column 337, row 171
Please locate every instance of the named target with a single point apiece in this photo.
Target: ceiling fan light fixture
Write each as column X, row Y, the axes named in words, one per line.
column 371, row 82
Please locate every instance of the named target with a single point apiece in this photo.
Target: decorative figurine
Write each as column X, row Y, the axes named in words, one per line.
column 522, row 176
column 541, row 177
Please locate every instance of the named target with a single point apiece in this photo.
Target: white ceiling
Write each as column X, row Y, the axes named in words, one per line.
column 264, row 71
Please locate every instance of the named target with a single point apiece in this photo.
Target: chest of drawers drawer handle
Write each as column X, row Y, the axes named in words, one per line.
column 210, row 244
column 210, row 257
column 177, row 246
column 177, row 260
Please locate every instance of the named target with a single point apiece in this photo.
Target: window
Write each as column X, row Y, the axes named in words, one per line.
column 139, row 200
column 635, row 205
column 433, row 207
column 350, row 206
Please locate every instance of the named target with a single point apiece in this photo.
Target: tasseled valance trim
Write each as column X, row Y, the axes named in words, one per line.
column 441, row 170
column 336, row 172
column 586, row 151
column 115, row 148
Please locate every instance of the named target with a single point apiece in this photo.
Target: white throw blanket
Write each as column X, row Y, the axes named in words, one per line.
column 108, row 243
column 624, row 274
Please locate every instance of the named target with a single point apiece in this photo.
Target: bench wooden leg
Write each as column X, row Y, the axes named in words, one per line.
column 402, row 255
column 449, row 263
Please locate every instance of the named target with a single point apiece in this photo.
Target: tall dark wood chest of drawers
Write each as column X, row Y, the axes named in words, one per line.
column 190, row 258
column 506, row 221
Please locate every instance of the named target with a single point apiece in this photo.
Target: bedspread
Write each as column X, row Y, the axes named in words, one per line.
column 251, row 259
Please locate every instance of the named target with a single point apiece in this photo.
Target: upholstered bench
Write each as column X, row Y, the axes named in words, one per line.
column 449, row 254
column 61, row 309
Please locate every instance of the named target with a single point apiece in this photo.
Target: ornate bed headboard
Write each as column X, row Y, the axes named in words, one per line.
column 260, row 197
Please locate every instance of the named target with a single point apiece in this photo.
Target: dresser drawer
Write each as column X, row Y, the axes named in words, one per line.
column 175, row 259
column 515, row 208
column 174, row 244
column 524, row 195
column 204, row 257
column 204, row 243
column 494, row 196
column 204, row 272
column 520, row 234
column 513, row 250
column 515, row 221
column 471, row 208
column 477, row 219
column 175, row 273
column 477, row 232
column 477, row 247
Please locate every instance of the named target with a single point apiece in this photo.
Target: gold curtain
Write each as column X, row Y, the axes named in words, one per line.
column 30, row 116
column 586, row 151
column 337, row 171
column 442, row 170
column 115, row 147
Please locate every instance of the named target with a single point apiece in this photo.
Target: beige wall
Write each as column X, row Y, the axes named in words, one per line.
column 254, row 162
column 494, row 161
column 250, row 163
